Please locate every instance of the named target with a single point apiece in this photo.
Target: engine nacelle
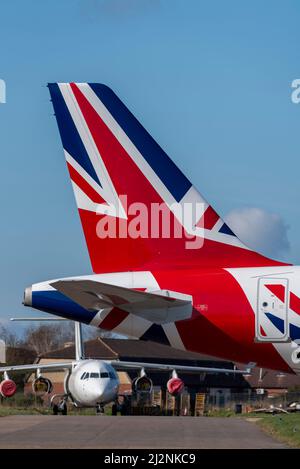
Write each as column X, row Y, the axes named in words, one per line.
column 8, row 388
column 142, row 384
column 41, row 386
column 175, row 386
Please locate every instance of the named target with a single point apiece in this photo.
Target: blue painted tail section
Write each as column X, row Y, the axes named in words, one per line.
column 162, row 165
column 70, row 137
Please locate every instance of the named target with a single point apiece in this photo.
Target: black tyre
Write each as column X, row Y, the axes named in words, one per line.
column 64, row 410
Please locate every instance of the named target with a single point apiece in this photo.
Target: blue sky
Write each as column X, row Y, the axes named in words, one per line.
column 210, row 80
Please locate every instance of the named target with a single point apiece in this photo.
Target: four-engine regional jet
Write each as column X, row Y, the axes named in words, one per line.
column 166, row 266
column 92, row 382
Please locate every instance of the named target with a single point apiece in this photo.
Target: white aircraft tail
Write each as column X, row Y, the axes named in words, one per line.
column 2, row 351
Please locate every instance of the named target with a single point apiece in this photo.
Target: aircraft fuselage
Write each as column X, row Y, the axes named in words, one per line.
column 238, row 314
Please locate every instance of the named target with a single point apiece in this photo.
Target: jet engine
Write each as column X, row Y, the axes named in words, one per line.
column 143, row 384
column 175, row 385
column 41, row 386
column 142, row 389
column 8, row 388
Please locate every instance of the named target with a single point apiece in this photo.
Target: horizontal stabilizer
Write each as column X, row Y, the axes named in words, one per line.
column 158, row 307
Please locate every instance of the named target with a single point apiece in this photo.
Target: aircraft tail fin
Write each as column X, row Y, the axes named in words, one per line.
column 137, row 209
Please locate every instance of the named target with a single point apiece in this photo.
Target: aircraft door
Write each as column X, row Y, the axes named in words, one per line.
column 272, row 310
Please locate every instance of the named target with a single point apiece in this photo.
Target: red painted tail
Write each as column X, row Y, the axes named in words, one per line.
column 138, row 211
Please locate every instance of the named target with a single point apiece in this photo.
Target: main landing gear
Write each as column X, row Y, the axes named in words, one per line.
column 59, row 407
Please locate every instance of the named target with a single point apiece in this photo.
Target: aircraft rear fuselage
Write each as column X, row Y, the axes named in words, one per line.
column 239, row 314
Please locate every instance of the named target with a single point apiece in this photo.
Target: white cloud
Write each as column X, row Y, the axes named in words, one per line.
column 260, row 230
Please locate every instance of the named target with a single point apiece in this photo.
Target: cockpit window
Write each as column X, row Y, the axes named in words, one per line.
column 104, row 374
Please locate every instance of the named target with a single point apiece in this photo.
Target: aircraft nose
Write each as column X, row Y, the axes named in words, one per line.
column 27, row 301
column 98, row 392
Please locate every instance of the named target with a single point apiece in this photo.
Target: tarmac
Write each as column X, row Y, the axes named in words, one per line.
column 47, row 431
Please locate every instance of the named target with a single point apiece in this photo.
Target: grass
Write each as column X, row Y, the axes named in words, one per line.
column 20, row 404
column 221, row 413
column 6, row 411
column 284, row 427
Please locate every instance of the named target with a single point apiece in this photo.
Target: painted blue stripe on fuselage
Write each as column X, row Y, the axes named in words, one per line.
column 294, row 332
column 70, row 137
column 52, row 301
column 279, row 324
column 162, row 165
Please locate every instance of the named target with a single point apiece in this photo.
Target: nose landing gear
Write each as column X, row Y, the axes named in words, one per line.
column 100, row 409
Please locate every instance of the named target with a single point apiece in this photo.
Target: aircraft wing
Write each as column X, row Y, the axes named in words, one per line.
column 120, row 365
column 124, row 366
column 36, row 366
column 159, row 307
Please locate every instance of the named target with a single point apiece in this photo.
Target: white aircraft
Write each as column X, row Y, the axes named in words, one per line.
column 94, row 383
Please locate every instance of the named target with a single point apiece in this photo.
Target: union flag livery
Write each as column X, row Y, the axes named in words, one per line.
column 166, row 266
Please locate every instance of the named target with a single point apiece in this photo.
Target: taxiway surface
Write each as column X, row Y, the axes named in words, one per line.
column 31, row 431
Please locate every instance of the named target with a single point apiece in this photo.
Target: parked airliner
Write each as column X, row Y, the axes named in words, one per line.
column 92, row 383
